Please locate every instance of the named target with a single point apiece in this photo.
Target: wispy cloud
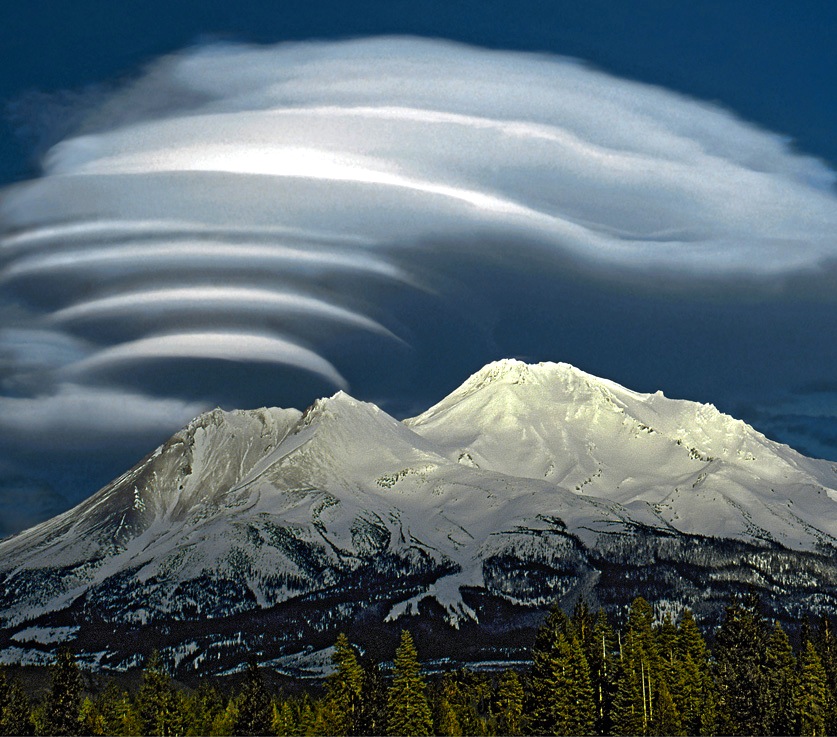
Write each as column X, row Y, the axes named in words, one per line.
column 81, row 418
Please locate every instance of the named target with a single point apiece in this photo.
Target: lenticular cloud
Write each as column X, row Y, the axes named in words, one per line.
column 261, row 205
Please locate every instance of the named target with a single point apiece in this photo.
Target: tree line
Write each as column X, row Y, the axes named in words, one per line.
column 585, row 677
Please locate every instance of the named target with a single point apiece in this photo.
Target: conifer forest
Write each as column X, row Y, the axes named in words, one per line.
column 651, row 676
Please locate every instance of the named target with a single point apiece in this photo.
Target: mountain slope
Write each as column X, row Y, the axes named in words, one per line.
column 526, row 484
column 702, row 472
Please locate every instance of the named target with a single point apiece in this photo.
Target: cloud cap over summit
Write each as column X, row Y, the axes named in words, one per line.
column 244, row 225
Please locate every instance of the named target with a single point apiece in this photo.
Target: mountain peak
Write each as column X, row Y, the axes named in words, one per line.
column 508, row 384
column 539, row 465
column 220, row 418
column 515, row 371
column 504, row 371
column 338, row 405
column 511, row 368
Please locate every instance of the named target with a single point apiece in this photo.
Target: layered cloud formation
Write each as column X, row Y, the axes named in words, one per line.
column 238, row 218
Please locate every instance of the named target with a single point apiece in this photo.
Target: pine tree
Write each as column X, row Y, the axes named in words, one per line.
column 15, row 710
column 118, row 714
column 641, row 624
column 254, row 710
column 446, row 723
column 202, row 708
column 666, row 639
column 283, row 723
column 666, row 714
column 780, row 683
column 665, row 719
column 92, row 722
column 63, row 702
column 641, row 669
column 805, row 634
column 408, row 712
column 157, row 705
column 642, row 641
column 461, row 702
column 510, row 704
column 562, row 696
column 297, row 717
column 826, row 645
column 324, row 717
column 693, row 688
column 810, row 697
column 224, row 724
column 305, row 720
column 601, row 659
column 628, row 712
column 372, row 714
column 344, row 689
column 740, row 646
column 583, row 623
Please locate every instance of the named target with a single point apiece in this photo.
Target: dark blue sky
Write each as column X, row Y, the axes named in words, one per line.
column 768, row 359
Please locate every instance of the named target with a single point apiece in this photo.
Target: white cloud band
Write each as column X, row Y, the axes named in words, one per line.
column 306, row 182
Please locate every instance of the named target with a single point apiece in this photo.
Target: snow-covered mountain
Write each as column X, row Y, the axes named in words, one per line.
column 267, row 530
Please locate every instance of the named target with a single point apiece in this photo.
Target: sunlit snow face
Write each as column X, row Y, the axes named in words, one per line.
column 335, row 210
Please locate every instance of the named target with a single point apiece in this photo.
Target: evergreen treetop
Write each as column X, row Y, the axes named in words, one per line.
column 61, row 712
column 253, row 708
column 408, row 712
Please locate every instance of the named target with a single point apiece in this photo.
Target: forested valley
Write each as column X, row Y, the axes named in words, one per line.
column 651, row 676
